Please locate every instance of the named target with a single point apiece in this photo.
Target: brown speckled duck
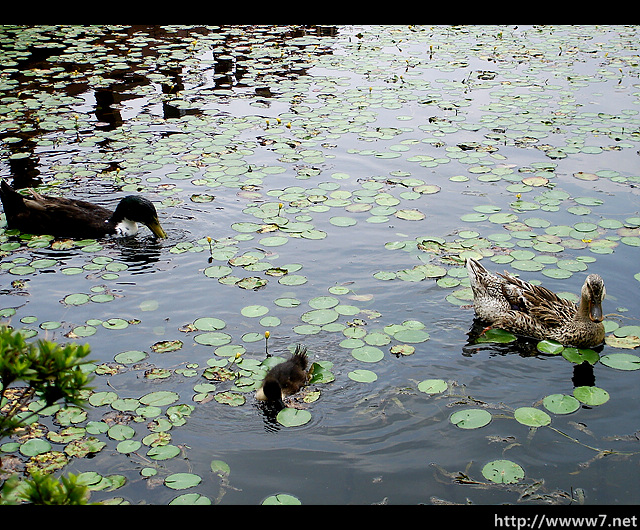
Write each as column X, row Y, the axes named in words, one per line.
column 506, row 302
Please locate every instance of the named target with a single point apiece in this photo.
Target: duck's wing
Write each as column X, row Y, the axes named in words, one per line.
column 58, row 216
column 538, row 302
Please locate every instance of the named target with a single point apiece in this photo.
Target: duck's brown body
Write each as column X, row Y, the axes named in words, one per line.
column 506, row 302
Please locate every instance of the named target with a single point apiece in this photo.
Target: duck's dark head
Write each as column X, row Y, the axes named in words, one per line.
column 135, row 209
column 273, row 392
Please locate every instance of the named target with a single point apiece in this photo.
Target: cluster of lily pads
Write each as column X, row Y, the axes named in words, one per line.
column 265, row 141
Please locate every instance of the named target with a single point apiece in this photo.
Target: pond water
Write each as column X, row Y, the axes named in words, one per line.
column 343, row 174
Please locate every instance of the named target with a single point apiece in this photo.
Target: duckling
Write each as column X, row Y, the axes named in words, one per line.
column 285, row 378
column 61, row 217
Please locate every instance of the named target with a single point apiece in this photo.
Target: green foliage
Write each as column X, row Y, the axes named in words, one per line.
column 52, row 373
column 42, row 488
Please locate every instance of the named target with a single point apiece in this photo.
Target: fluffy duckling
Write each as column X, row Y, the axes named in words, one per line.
column 61, row 217
column 285, row 378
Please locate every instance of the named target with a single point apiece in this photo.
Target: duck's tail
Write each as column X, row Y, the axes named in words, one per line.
column 300, row 356
column 12, row 201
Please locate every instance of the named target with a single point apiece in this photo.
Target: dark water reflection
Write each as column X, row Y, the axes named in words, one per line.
column 383, row 442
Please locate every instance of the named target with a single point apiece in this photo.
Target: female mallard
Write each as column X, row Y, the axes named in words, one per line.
column 60, row 217
column 508, row 303
column 285, row 378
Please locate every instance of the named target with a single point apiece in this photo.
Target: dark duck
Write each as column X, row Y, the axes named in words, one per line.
column 62, row 217
column 285, row 379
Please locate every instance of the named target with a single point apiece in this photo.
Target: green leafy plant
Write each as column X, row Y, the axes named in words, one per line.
column 51, row 373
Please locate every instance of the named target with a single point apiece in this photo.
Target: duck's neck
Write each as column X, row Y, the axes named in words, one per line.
column 126, row 228
column 583, row 310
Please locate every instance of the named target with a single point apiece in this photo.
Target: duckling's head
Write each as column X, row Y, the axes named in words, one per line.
column 593, row 293
column 272, row 392
column 135, row 209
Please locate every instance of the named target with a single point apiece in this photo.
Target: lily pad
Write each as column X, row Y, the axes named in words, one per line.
column 290, row 417
column 591, row 395
column 181, row 481
column 580, row 355
column 532, row 417
column 561, row 403
column 470, row 418
column 432, row 386
column 368, row 354
column 503, row 472
column 621, row 361
column 362, row 376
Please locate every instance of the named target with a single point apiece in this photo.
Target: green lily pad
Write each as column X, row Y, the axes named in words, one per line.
column 190, row 499
column 281, row 499
column 621, row 361
column 591, row 395
column 551, row 347
column 503, row 472
column 580, row 355
column 290, row 417
column 232, row 399
column 181, row 481
column 496, row 335
column 76, row 299
column 163, row 452
column 561, row 403
column 159, row 398
column 410, row 215
column 532, row 417
column 320, row 317
column 130, row 357
column 368, row 354
column 412, row 336
column 342, row 221
column 213, row 338
column 209, row 324
column 253, row 311
column 470, row 418
column 362, row 376
column 432, row 386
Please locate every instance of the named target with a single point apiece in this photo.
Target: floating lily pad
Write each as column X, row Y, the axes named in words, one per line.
column 281, row 499
column 432, row 386
column 410, row 215
column 621, row 361
column 342, row 221
column 368, row 354
column 591, row 395
column 470, row 418
column 412, row 336
column 253, row 311
column 320, row 317
column 362, row 376
column 550, row 346
column 181, row 481
column 503, row 472
column 532, row 417
column 580, row 355
column 290, row 417
column 561, row 403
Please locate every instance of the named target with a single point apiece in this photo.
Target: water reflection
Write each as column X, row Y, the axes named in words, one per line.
column 133, row 58
column 583, row 374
